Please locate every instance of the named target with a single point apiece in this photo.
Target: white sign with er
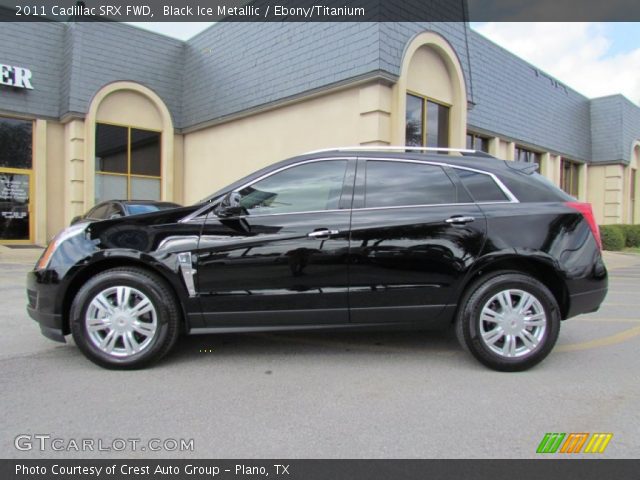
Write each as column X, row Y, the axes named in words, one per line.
column 15, row 76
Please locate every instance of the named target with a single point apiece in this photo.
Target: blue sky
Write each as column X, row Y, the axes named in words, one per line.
column 596, row 59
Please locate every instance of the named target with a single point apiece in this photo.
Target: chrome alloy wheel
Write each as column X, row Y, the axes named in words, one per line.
column 512, row 323
column 121, row 321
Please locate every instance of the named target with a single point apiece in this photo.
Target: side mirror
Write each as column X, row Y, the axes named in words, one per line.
column 115, row 215
column 230, row 205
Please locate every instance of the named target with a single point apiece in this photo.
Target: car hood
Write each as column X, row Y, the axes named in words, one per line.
column 144, row 232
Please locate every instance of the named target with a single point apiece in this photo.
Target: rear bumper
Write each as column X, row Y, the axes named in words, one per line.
column 586, row 302
column 41, row 297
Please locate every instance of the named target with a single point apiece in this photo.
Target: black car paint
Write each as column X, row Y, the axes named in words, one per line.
column 380, row 268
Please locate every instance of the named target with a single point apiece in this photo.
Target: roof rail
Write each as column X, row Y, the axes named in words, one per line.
column 404, row 148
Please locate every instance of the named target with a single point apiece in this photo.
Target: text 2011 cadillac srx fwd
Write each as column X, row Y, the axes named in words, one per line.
column 353, row 238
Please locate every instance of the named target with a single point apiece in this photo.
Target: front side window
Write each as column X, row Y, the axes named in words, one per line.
column 427, row 123
column 309, row 187
column 127, row 163
column 394, row 184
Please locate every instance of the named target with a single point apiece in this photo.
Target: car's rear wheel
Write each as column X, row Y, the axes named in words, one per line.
column 125, row 318
column 508, row 321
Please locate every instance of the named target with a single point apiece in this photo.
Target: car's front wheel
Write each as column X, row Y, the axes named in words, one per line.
column 508, row 321
column 124, row 318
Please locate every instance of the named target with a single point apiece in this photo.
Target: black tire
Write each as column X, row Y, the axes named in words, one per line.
column 165, row 318
column 469, row 326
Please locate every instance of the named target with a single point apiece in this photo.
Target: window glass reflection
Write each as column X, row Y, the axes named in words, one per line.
column 393, row 184
column 310, row 187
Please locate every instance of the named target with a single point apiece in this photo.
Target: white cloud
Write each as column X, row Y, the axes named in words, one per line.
column 577, row 54
column 179, row 30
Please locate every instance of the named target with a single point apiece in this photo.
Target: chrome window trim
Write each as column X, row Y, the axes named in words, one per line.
column 201, row 210
column 511, row 198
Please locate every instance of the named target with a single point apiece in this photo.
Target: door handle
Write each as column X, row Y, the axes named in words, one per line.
column 459, row 220
column 322, row 233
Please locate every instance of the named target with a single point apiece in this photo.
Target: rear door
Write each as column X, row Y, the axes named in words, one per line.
column 414, row 233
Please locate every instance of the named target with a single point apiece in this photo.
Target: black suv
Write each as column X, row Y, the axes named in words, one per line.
column 355, row 238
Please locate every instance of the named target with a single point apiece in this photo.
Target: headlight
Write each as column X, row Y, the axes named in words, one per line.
column 63, row 236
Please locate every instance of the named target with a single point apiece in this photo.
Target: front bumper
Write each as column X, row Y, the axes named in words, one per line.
column 42, row 293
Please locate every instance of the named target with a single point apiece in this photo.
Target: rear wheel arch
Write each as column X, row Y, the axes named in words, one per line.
column 81, row 277
column 508, row 320
column 539, row 269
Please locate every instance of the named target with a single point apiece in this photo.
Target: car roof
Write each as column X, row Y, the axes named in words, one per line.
column 455, row 157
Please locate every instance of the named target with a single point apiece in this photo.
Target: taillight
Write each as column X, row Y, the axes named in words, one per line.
column 587, row 213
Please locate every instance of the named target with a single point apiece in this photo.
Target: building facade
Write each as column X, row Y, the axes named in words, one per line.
column 91, row 111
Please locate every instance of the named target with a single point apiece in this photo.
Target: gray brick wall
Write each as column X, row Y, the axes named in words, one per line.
column 606, row 128
column 133, row 54
column 630, row 126
column 394, row 38
column 615, row 126
column 233, row 67
column 38, row 47
column 517, row 100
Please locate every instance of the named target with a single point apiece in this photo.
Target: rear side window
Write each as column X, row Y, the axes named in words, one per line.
column 395, row 184
column 481, row 186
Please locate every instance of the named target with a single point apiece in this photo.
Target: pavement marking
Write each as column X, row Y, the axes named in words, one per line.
column 600, row 342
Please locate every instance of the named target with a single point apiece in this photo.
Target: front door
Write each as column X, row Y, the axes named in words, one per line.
column 284, row 261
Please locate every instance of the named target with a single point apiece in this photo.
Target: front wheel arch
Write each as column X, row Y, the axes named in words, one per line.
column 125, row 318
column 95, row 268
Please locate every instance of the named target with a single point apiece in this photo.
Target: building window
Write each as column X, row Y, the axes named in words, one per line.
column 127, row 163
column 477, row 142
column 524, row 155
column 427, row 123
column 570, row 177
column 16, row 161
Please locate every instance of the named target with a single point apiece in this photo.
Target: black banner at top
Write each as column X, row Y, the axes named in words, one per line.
column 320, row 10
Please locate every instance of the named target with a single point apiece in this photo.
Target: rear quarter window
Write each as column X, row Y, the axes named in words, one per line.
column 481, row 186
column 533, row 187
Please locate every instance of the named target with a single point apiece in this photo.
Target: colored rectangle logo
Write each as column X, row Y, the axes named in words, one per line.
column 574, row 442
